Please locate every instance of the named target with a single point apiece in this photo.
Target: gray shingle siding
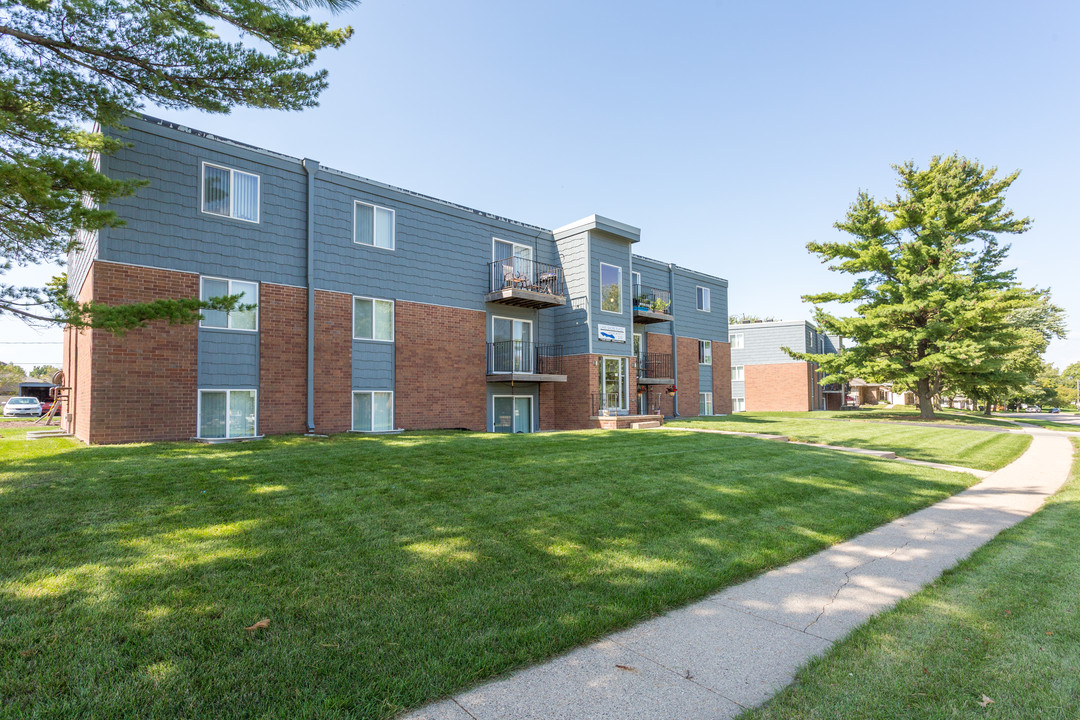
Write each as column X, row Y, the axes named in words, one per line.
column 372, row 365
column 610, row 251
column 705, row 378
column 763, row 343
column 228, row 359
column 738, row 389
column 572, row 320
column 691, row 322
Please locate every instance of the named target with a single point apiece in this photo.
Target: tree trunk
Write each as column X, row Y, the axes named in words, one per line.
column 926, row 399
column 986, row 408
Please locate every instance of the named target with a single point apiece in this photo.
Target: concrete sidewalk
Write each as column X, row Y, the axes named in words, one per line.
column 735, row 649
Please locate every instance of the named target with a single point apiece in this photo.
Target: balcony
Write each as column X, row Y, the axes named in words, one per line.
column 651, row 305
column 525, row 283
column 520, row 361
column 655, row 369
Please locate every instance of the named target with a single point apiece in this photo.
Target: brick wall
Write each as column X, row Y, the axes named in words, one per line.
column 778, row 387
column 688, row 381
column 440, row 367
column 721, row 378
column 283, row 359
column 572, row 406
column 143, row 384
column 76, row 365
column 333, row 363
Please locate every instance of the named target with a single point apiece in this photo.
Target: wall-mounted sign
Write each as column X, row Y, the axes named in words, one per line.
column 611, row 333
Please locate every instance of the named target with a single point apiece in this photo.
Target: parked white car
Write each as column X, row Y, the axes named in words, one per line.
column 22, row 406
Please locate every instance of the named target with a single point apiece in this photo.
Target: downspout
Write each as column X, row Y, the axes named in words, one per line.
column 674, row 343
column 312, row 167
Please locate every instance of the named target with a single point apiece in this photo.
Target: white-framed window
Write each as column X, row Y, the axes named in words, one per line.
column 372, row 411
column 211, row 287
column 230, row 193
column 736, row 341
column 504, row 249
column 511, row 345
column 639, row 346
column 373, row 319
column 373, row 225
column 635, row 280
column 228, row 413
column 614, row 385
column 705, row 403
column 738, row 404
column 704, row 301
column 511, row 413
column 704, row 352
column 737, row 372
column 610, row 288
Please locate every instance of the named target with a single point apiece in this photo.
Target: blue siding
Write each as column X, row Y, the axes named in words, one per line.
column 762, row 342
column 165, row 225
column 228, row 359
column 572, row 320
column 440, row 257
column 738, row 389
column 705, row 378
column 372, row 365
column 610, row 251
column 694, row 323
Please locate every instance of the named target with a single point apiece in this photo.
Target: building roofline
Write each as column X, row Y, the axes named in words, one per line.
column 717, row 278
column 777, row 323
column 333, row 171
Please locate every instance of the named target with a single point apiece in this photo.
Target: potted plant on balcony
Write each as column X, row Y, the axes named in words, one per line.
column 660, row 306
column 672, row 390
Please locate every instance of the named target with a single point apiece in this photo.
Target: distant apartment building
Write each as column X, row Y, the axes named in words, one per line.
column 376, row 309
column 765, row 378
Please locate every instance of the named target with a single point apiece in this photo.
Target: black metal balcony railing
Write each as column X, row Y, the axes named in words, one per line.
column 524, row 358
column 525, row 274
column 654, row 365
column 648, row 299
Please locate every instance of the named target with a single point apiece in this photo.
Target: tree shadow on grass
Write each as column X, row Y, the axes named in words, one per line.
column 393, row 570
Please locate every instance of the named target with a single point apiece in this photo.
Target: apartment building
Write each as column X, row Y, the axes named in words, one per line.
column 376, row 309
column 765, row 378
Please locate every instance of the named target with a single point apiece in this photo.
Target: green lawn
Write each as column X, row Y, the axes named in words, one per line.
column 981, row 450
column 1051, row 425
column 883, row 413
column 393, row 569
column 1005, row 624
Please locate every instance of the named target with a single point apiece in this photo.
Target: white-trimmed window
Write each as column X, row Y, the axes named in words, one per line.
column 635, row 282
column 227, row 413
column 373, row 225
column 211, row 287
column 511, row 413
column 230, row 193
column 737, row 372
column 704, row 301
column 736, row 341
column 372, row 411
column 705, row 403
column 704, row 352
column 373, row 319
column 610, row 288
column 738, row 404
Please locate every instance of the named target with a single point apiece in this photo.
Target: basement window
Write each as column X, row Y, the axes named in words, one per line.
column 226, row 414
column 373, row 411
column 705, row 403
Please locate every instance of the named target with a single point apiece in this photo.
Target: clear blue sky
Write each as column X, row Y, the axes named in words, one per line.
column 730, row 133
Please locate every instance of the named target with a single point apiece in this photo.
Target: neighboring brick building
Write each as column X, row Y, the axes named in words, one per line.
column 765, row 378
column 377, row 308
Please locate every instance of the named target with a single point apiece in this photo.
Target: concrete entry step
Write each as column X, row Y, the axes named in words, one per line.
column 645, row 425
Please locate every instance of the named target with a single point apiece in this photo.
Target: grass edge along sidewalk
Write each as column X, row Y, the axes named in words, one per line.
column 997, row 636
column 393, row 573
column 965, row 448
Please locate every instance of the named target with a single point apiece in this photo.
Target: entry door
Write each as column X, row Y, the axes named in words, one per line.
column 613, row 384
column 513, row 345
column 519, row 256
column 512, row 414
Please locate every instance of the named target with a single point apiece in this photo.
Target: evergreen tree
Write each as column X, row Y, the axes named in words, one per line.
column 929, row 292
column 69, row 65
